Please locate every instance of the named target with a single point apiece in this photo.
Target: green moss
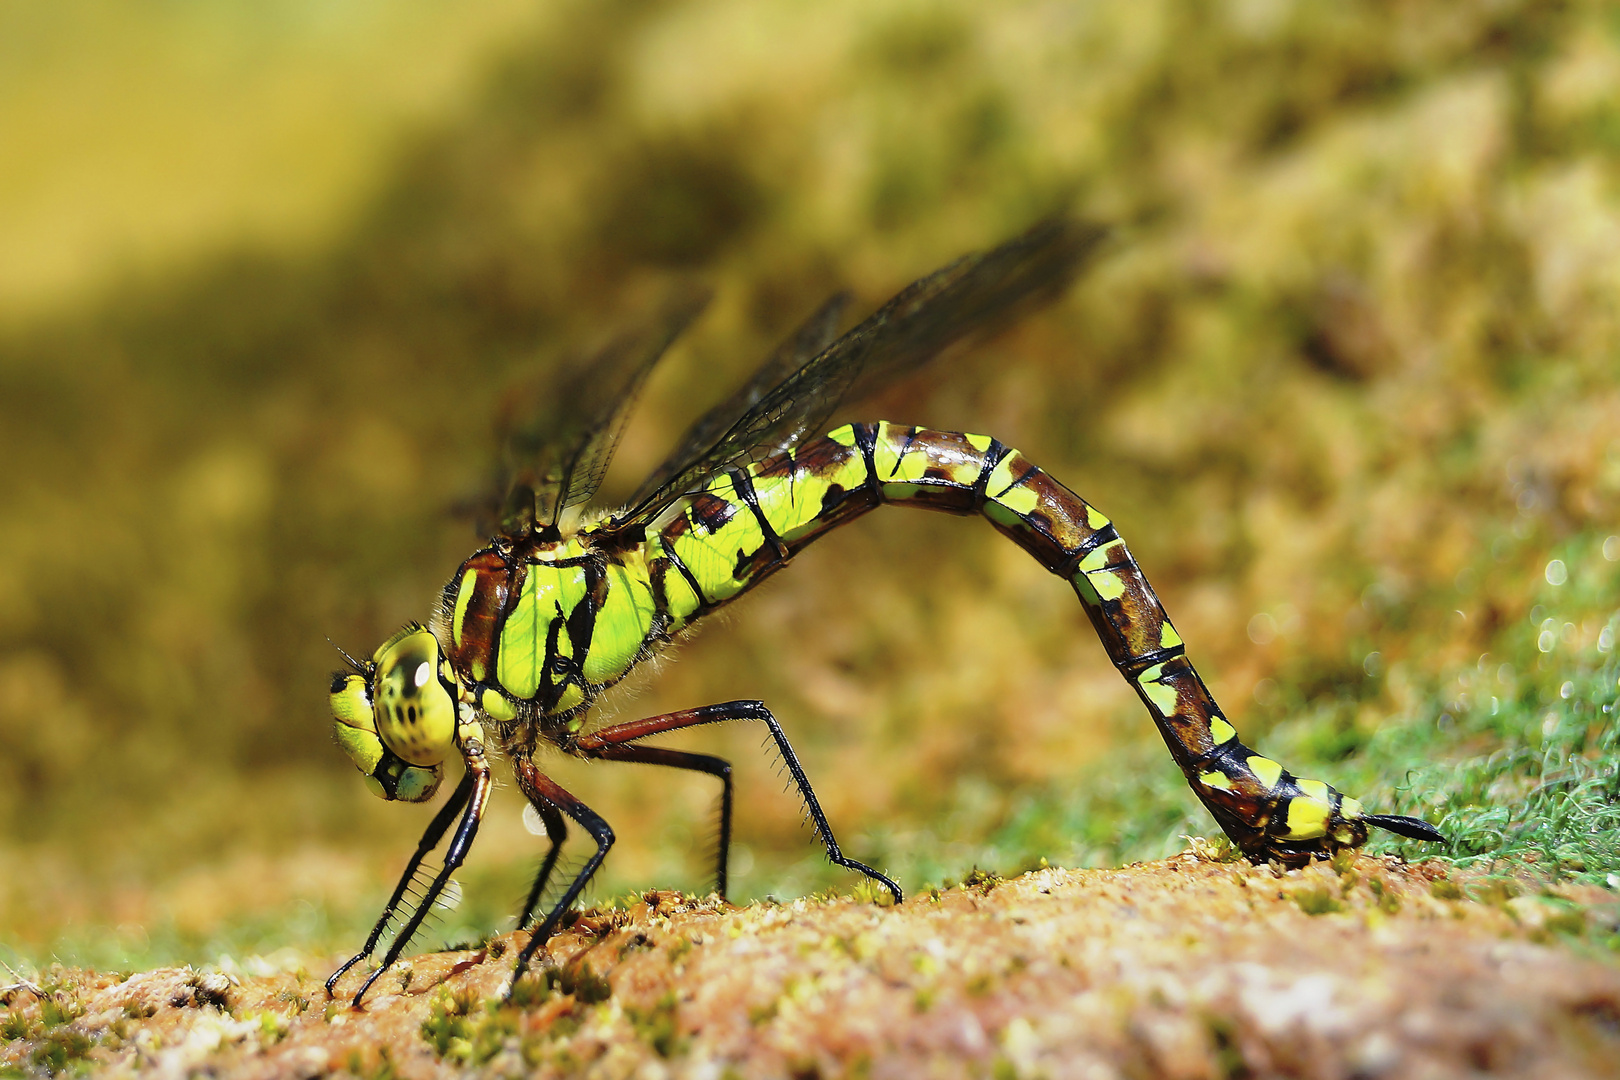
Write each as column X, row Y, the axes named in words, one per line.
column 15, row 1026
column 764, row 1014
column 530, row 990
column 982, row 882
column 58, row 1009
column 1445, row 890
column 587, row 987
column 1384, row 898
column 1317, row 900
column 375, row 1066
column 449, row 1025
column 679, row 949
column 979, row 984
column 460, row 1028
column 577, row 979
column 1226, row 1042
column 658, row 1025
column 867, row 891
column 61, row 1048
column 300, row 1002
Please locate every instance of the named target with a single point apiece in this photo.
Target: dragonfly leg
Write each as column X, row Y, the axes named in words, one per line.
column 542, row 789
column 595, row 743
column 430, row 840
column 557, row 832
column 682, row 759
column 466, row 830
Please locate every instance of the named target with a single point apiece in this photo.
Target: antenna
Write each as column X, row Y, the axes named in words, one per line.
column 356, row 666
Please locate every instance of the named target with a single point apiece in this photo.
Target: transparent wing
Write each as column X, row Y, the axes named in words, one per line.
column 973, row 296
column 557, row 430
column 804, row 343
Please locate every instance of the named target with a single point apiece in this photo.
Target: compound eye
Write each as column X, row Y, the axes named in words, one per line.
column 416, row 717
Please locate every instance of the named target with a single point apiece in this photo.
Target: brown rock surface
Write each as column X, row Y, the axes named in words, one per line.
column 1181, row 968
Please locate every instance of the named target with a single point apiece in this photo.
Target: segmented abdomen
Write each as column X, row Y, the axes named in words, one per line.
column 748, row 522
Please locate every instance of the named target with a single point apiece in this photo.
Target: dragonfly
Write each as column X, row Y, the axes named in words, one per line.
column 561, row 603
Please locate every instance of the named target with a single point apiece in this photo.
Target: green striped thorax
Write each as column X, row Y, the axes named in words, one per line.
column 535, row 630
column 397, row 718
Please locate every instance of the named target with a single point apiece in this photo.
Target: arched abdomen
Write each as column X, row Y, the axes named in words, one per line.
column 749, row 521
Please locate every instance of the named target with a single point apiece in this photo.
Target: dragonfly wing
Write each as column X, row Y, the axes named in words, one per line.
column 807, row 341
column 557, row 430
column 973, row 296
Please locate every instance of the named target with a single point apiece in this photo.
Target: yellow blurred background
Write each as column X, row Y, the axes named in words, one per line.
column 1345, row 380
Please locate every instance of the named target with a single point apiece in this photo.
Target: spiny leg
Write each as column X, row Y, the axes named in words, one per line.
column 430, row 840
column 466, row 830
column 682, row 759
column 592, row 745
column 541, row 788
column 557, row 832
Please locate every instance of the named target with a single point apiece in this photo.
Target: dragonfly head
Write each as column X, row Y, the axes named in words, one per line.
column 396, row 717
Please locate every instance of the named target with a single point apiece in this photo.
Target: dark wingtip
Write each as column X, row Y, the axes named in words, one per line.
column 1410, row 827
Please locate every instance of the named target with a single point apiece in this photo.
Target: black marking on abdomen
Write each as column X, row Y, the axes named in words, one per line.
column 1141, row 663
column 710, row 511
column 866, row 443
column 744, row 487
column 1071, row 565
column 704, row 603
column 992, row 457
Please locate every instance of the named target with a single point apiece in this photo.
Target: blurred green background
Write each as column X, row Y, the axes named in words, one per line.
column 1345, row 380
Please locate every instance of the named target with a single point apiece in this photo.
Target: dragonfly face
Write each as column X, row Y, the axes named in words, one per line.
column 397, row 719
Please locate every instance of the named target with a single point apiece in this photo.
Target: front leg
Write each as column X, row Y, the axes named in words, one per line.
column 610, row 742
column 430, row 840
column 478, row 797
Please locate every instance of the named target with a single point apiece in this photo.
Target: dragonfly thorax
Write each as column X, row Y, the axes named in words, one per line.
column 535, row 630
